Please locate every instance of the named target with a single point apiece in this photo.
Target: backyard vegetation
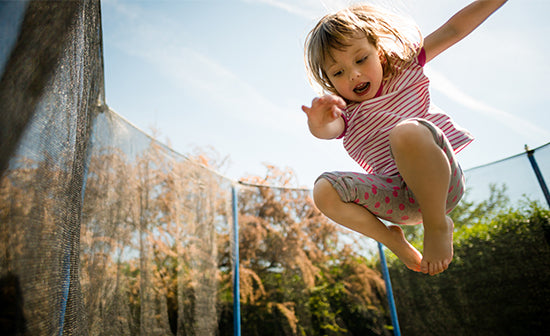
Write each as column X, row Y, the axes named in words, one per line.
column 498, row 281
column 299, row 279
column 155, row 256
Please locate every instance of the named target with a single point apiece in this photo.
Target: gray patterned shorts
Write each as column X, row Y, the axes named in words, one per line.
column 388, row 197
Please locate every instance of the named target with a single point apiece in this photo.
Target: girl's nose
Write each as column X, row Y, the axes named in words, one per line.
column 354, row 74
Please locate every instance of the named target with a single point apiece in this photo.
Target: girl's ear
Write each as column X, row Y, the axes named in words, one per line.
column 385, row 62
column 382, row 57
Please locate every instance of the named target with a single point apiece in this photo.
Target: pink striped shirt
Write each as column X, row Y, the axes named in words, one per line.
column 404, row 96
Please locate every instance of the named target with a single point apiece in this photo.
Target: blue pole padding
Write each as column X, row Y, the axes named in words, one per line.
column 389, row 291
column 538, row 174
column 236, row 292
column 65, row 286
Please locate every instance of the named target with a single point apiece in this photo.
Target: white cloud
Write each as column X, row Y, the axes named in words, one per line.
column 308, row 9
column 515, row 123
column 311, row 9
column 162, row 46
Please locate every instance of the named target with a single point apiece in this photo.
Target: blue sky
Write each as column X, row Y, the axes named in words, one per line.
column 229, row 75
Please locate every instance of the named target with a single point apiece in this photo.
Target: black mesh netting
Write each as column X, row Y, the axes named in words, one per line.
column 103, row 231
column 50, row 89
column 513, row 175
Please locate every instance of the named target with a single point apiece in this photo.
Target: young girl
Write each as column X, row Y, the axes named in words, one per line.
column 377, row 100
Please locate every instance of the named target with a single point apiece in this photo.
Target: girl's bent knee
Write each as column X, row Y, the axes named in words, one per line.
column 323, row 192
column 407, row 133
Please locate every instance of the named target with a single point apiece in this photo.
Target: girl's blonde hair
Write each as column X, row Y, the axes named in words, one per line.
column 394, row 37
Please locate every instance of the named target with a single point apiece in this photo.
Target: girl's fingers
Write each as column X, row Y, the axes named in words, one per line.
column 341, row 103
column 336, row 111
column 331, row 104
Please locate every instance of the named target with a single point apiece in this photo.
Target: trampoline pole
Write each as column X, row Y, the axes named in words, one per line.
column 389, row 291
column 236, row 292
column 538, row 174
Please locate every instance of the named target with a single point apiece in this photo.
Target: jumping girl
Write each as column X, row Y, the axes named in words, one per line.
column 377, row 100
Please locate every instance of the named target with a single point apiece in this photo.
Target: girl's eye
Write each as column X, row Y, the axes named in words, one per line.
column 362, row 60
column 337, row 73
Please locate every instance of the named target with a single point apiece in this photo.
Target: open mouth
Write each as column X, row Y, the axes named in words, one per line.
column 361, row 88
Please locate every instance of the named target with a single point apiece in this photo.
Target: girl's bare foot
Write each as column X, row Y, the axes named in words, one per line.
column 438, row 248
column 407, row 253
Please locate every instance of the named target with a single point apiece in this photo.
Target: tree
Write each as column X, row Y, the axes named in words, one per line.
column 497, row 282
column 150, row 242
column 299, row 275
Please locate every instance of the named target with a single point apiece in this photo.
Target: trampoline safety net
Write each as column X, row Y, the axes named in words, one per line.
column 105, row 231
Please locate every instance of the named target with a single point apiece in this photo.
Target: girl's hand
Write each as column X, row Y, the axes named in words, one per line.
column 324, row 109
column 324, row 116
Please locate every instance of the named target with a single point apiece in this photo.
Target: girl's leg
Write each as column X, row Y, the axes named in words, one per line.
column 359, row 219
column 425, row 168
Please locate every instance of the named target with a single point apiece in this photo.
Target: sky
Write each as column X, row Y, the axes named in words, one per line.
column 228, row 76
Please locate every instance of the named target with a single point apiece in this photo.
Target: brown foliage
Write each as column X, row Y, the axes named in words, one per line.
column 155, row 243
column 283, row 237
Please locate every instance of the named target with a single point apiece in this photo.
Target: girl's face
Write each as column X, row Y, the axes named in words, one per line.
column 356, row 71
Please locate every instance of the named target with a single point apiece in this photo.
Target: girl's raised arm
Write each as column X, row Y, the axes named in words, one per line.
column 459, row 26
